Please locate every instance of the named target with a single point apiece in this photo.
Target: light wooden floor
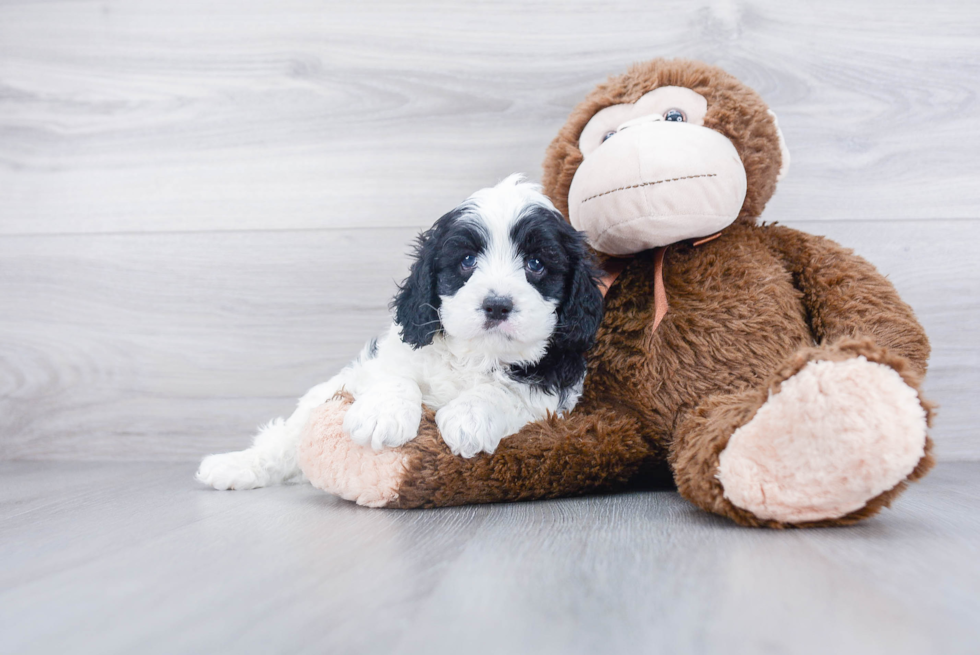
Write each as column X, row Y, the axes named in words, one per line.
column 138, row 558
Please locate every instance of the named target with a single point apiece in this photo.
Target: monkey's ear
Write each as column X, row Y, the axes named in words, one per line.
column 783, row 150
column 416, row 304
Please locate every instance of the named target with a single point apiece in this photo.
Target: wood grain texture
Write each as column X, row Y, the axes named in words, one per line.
column 204, row 205
column 230, row 114
column 156, row 343
column 171, row 346
column 125, row 558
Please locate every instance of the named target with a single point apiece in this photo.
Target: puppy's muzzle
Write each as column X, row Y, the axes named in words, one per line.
column 496, row 309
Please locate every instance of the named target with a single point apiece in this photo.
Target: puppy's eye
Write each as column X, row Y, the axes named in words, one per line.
column 468, row 263
column 534, row 266
column 675, row 116
column 607, row 135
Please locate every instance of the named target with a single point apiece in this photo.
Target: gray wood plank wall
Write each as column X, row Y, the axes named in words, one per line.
column 204, row 205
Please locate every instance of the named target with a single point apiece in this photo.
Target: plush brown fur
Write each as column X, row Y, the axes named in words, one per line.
column 747, row 311
column 739, row 324
column 704, row 433
column 548, row 459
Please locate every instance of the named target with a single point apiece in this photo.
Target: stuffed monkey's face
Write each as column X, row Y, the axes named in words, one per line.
column 653, row 175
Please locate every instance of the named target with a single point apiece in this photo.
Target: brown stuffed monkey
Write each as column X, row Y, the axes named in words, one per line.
column 774, row 372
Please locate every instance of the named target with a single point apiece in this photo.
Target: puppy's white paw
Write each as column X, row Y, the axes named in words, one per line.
column 470, row 426
column 240, row 470
column 381, row 420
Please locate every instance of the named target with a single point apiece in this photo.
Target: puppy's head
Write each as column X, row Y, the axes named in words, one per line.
column 502, row 275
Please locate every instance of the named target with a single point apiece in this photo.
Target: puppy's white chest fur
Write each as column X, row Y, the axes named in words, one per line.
column 476, row 399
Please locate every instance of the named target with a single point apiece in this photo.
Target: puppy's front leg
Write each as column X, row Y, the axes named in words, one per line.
column 386, row 414
column 477, row 419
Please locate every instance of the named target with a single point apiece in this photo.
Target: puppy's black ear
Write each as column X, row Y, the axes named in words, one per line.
column 580, row 313
column 416, row 304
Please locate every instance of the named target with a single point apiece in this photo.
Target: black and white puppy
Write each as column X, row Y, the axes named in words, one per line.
column 490, row 331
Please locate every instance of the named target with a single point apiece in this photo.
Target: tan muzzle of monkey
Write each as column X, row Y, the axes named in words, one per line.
column 654, row 183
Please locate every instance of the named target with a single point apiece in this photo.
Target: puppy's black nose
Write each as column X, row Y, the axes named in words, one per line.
column 497, row 308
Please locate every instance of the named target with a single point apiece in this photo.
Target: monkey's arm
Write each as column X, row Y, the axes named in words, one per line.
column 589, row 451
column 846, row 297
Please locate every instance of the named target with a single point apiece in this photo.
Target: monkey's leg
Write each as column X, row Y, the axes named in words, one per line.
column 583, row 453
column 832, row 439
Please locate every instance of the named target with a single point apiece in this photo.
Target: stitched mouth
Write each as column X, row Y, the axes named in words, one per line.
column 643, row 184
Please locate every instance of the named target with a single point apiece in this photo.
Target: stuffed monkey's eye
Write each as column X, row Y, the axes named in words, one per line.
column 468, row 263
column 607, row 135
column 675, row 115
column 534, row 266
